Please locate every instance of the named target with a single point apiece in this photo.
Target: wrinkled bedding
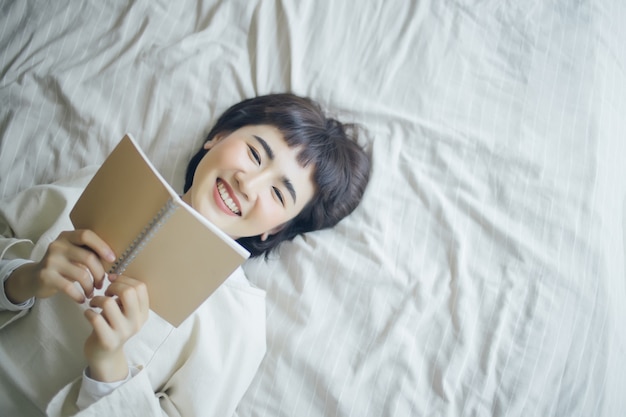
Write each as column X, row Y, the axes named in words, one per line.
column 484, row 272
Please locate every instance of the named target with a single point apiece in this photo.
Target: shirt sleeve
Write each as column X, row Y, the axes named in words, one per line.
column 29, row 221
column 6, row 269
column 92, row 390
column 132, row 398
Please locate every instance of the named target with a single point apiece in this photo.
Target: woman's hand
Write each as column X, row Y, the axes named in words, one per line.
column 124, row 310
column 74, row 257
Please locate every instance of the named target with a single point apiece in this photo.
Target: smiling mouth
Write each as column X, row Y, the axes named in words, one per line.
column 226, row 198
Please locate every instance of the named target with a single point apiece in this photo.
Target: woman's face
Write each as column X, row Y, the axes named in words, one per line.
column 250, row 182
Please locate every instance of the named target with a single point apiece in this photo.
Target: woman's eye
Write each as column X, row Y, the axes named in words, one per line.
column 255, row 155
column 279, row 195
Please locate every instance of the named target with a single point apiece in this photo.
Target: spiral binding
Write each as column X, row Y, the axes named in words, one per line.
column 143, row 238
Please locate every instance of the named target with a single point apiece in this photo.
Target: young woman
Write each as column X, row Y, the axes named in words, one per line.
column 272, row 167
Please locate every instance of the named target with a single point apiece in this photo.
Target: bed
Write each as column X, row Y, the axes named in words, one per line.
column 483, row 274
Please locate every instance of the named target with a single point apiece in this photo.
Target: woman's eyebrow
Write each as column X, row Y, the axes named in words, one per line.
column 270, row 154
column 266, row 146
column 289, row 187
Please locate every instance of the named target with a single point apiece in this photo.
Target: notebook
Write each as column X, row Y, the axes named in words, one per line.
column 158, row 238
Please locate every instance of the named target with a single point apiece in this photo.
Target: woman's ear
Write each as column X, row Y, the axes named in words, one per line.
column 273, row 231
column 210, row 143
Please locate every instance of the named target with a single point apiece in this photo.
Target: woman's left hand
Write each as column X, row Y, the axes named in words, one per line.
column 124, row 310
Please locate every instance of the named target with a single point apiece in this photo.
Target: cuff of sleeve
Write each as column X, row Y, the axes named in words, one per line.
column 92, row 390
column 6, row 269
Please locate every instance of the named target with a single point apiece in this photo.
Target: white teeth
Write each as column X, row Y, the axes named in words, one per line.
column 226, row 198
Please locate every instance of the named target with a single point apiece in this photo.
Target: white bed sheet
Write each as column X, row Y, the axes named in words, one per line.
column 484, row 272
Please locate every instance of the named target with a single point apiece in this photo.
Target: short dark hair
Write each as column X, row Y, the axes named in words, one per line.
column 341, row 166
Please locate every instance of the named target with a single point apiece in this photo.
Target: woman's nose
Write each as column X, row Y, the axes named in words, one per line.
column 251, row 183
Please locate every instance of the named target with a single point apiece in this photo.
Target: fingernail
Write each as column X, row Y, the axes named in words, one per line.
column 100, row 283
column 110, row 257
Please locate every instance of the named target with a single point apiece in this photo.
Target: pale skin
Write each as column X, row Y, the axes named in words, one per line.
column 248, row 184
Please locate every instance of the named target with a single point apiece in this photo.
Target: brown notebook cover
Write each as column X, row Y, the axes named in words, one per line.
column 158, row 238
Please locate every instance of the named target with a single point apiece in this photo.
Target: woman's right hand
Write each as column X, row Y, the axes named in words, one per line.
column 75, row 256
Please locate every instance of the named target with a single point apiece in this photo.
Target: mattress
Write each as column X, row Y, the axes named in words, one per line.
column 482, row 275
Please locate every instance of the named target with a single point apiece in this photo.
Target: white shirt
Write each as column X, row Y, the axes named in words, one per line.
column 203, row 367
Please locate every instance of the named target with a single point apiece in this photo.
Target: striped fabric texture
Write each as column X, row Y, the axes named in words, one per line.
column 484, row 272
